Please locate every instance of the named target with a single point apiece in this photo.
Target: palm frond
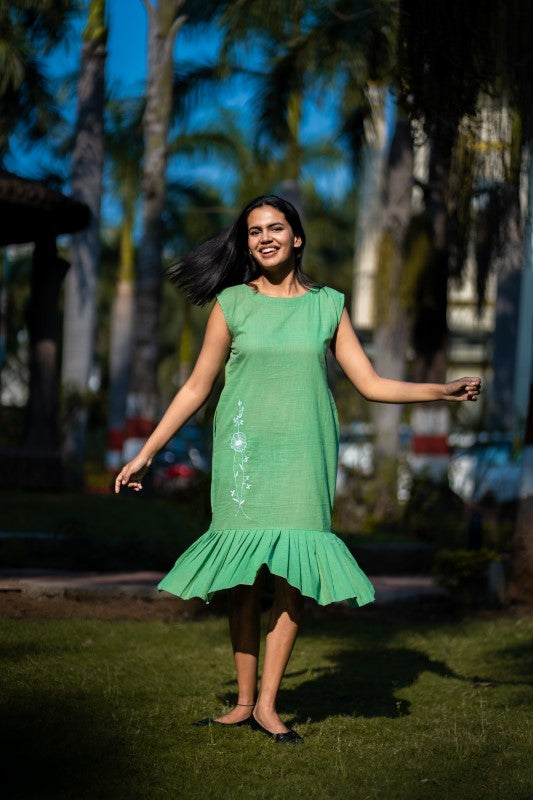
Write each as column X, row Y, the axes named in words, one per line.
column 191, row 83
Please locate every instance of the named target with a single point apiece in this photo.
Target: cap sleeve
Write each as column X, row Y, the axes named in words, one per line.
column 338, row 299
column 337, row 306
column 226, row 298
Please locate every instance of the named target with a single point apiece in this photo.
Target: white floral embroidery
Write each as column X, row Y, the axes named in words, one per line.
column 238, row 444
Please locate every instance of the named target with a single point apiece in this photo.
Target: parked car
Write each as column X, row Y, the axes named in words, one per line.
column 356, row 449
column 489, row 467
column 181, row 464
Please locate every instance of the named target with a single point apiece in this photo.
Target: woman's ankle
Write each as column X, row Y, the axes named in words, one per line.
column 265, row 707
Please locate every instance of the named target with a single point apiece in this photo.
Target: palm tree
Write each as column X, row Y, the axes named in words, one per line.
column 87, row 171
column 124, row 150
column 491, row 53
column 281, row 88
column 28, row 30
column 392, row 321
column 164, row 21
column 453, row 59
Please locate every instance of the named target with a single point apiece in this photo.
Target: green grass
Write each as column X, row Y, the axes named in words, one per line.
column 388, row 710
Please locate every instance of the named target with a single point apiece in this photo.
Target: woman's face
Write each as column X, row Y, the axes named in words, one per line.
column 270, row 238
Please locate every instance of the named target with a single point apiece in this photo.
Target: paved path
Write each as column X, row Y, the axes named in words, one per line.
column 143, row 585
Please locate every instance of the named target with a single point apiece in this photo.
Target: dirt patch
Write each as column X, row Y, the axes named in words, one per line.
column 16, row 605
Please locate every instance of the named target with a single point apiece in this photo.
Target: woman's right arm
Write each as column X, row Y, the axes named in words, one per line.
column 189, row 399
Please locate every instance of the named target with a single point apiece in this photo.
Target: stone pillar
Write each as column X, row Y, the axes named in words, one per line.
column 48, row 272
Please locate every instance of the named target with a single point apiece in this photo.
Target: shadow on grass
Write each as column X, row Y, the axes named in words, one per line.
column 61, row 746
column 364, row 678
column 359, row 682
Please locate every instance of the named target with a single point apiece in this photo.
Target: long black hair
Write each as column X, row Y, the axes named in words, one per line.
column 224, row 260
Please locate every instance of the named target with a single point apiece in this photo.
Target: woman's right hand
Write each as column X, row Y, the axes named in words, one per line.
column 132, row 473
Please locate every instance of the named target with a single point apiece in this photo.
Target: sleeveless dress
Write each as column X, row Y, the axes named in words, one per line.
column 275, row 449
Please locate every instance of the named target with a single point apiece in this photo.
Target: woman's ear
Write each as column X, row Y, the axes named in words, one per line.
column 297, row 241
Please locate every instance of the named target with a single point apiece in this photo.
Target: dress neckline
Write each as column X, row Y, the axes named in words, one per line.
column 274, row 297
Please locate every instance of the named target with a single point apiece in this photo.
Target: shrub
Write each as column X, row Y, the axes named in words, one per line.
column 464, row 572
column 434, row 513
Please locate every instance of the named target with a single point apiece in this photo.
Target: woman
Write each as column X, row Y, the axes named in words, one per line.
column 275, row 442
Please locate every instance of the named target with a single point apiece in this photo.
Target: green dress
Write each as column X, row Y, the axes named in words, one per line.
column 275, row 448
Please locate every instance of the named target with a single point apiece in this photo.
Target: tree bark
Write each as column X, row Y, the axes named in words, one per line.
column 87, row 170
column 142, row 404
column 391, row 330
column 430, row 421
column 430, row 327
column 121, row 342
column 370, row 211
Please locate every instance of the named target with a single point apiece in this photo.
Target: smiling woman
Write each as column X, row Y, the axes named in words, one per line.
column 275, row 443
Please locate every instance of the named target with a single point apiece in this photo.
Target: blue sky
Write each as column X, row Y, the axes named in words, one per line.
column 126, row 75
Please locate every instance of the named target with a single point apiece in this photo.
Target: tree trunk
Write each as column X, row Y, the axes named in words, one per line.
column 290, row 188
column 142, row 405
column 87, row 169
column 430, row 329
column 430, row 421
column 369, row 216
column 121, row 340
column 48, row 273
column 391, row 330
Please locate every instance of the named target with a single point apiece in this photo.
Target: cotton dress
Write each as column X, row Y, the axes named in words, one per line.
column 275, row 449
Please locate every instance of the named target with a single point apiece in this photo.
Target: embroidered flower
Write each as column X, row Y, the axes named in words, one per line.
column 238, row 444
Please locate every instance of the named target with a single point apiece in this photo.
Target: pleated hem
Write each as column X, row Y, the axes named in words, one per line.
column 317, row 563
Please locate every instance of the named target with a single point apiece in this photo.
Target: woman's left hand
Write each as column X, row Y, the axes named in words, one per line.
column 462, row 389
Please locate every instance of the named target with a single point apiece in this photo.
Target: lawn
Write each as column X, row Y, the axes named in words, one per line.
column 389, row 709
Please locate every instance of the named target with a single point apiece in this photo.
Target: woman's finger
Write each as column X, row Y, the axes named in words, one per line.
column 121, row 479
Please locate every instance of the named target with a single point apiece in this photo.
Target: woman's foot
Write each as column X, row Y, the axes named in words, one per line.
column 286, row 736
column 240, row 713
column 269, row 719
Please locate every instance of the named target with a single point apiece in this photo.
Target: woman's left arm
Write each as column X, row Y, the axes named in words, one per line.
column 355, row 364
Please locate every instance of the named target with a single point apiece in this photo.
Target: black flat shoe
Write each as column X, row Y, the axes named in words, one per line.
column 202, row 723
column 290, row 737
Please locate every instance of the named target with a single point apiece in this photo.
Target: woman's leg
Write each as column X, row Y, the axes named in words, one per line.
column 282, row 629
column 245, row 631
